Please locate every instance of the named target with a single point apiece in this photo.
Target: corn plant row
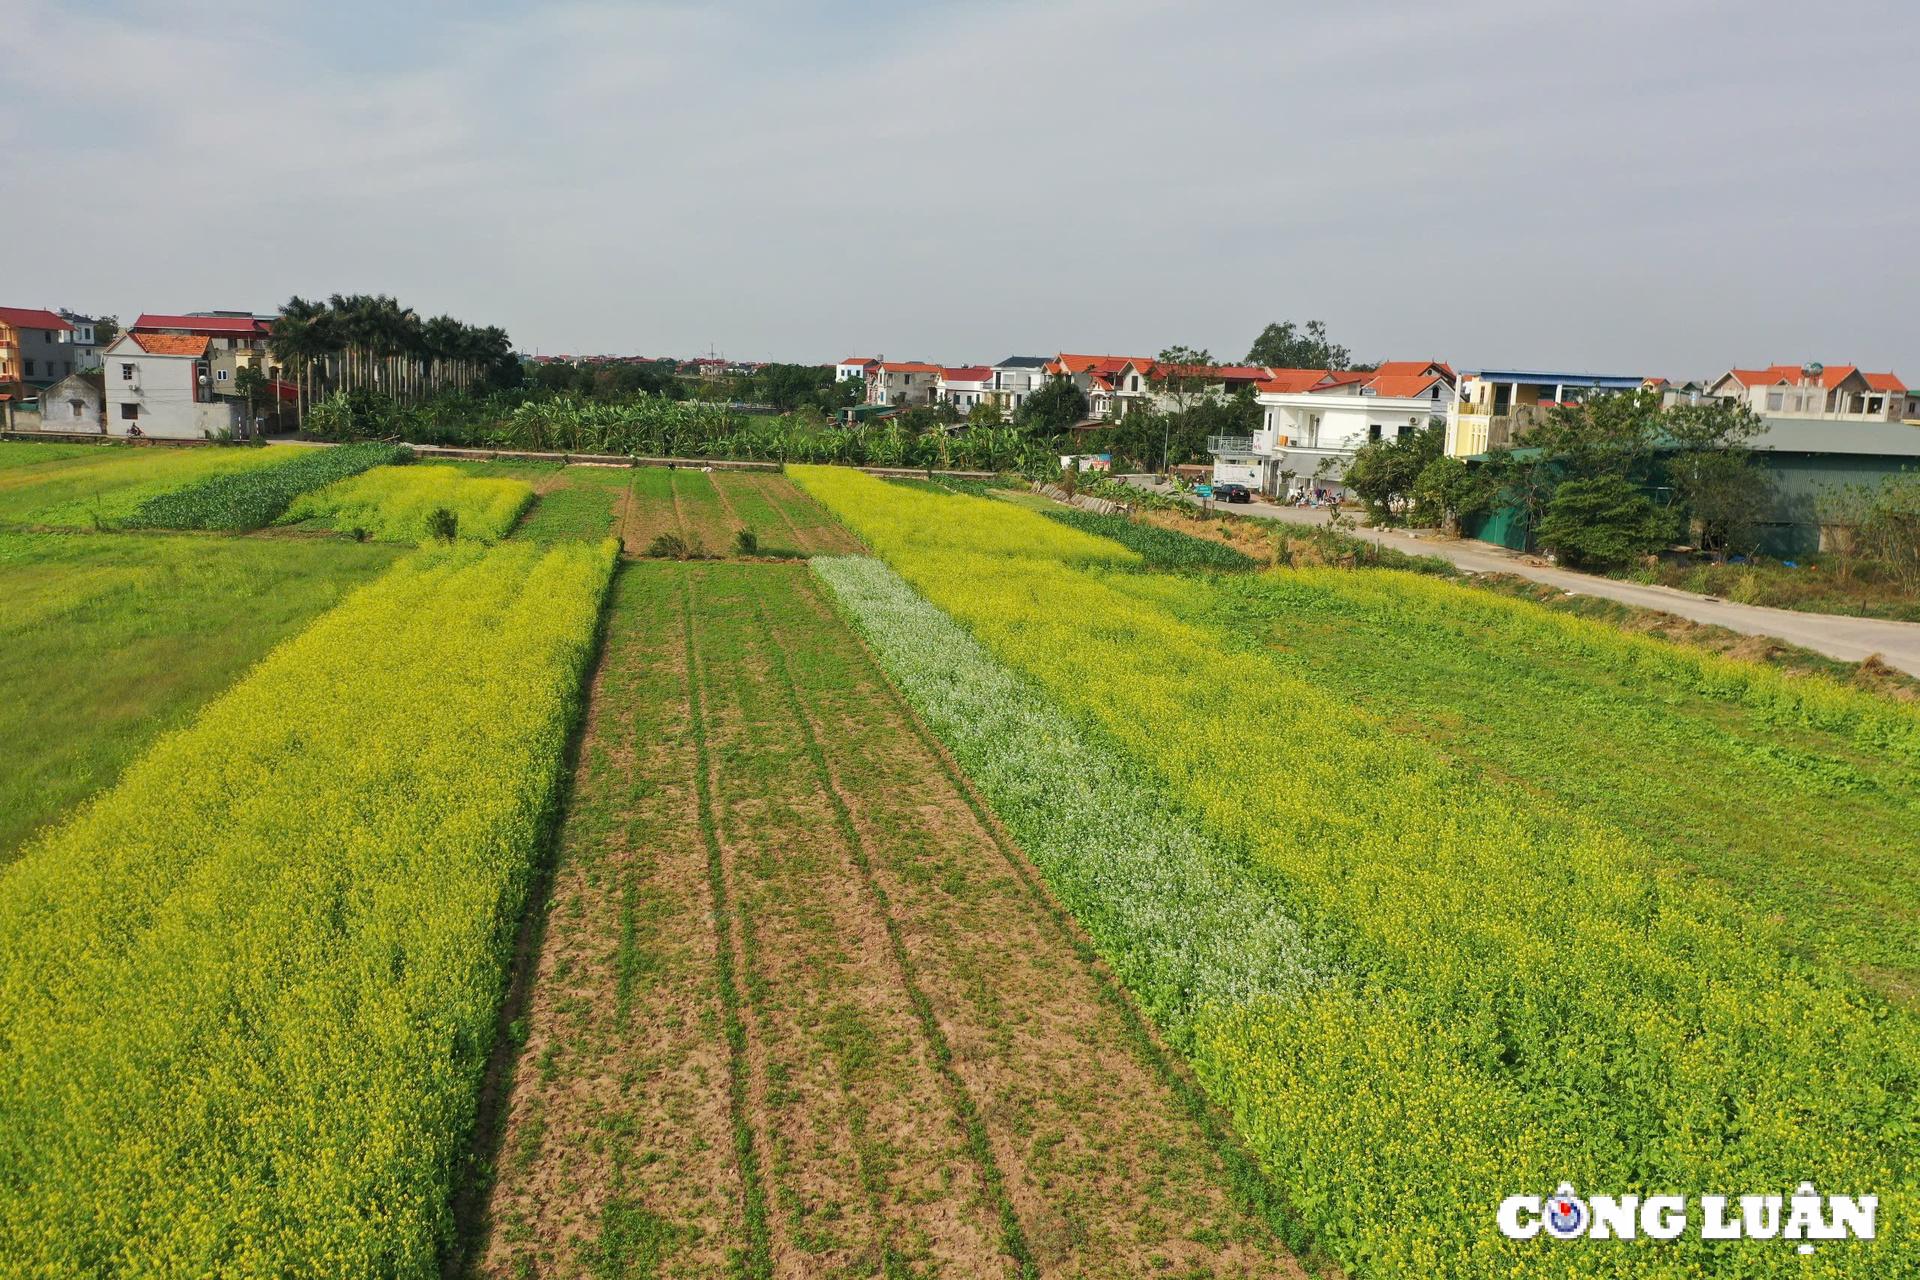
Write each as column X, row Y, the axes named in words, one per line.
column 247, row 995
column 1170, row 907
column 1537, row 997
column 408, row 504
column 254, row 499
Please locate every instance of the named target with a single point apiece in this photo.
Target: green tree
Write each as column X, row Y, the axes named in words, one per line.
column 1448, row 492
column 1284, row 345
column 1052, row 409
column 1602, row 522
column 985, row 413
column 1384, row 473
column 1724, row 493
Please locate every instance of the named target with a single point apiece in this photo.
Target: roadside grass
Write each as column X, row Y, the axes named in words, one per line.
column 1819, row 584
column 104, row 489
column 112, row 641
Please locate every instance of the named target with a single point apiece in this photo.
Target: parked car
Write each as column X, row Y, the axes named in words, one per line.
column 1232, row 493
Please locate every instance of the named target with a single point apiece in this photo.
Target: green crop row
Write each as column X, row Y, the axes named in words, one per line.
column 1534, row 996
column 247, row 995
column 417, row 503
column 1159, row 548
column 256, row 498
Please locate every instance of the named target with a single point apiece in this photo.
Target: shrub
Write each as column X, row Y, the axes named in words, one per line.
column 670, row 546
column 443, row 525
column 746, row 542
column 1603, row 522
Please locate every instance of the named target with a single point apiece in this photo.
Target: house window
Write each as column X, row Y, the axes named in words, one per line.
column 129, row 410
column 29, row 368
column 126, row 373
column 79, row 408
column 69, row 365
column 1773, row 401
column 1373, row 431
column 221, row 375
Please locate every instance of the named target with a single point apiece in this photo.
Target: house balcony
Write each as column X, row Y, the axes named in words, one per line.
column 1230, row 444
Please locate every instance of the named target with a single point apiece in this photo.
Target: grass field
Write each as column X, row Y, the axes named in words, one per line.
column 112, row 641
column 802, row 1008
column 105, row 485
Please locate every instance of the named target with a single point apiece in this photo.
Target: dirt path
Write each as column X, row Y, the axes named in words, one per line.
column 870, row 1170
column 618, row 1141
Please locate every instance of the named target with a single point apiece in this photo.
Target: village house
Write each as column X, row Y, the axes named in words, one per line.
column 1312, row 422
column 965, row 387
column 899, row 383
column 160, row 385
column 75, row 405
column 1014, row 379
column 854, row 367
column 36, row 351
column 1839, row 392
column 236, row 340
column 1491, row 407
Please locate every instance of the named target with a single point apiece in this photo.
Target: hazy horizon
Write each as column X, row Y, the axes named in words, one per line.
column 1667, row 188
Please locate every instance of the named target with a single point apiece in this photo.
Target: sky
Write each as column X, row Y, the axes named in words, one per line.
column 1635, row 186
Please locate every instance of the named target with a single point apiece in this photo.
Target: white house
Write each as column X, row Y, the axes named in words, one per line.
column 1312, row 421
column 160, row 385
column 853, row 367
column 1016, row 378
column 966, row 386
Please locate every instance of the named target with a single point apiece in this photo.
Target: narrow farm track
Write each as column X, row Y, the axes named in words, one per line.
column 617, row 1138
column 799, row 1013
column 869, row 1168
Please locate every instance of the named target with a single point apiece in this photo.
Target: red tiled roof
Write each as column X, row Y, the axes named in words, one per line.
column 32, row 318
column 860, row 360
column 1107, row 365
column 910, row 366
column 968, row 373
column 1400, row 367
column 1885, row 382
column 202, row 324
column 171, row 344
column 1290, row 380
column 1791, row 375
column 1403, row 385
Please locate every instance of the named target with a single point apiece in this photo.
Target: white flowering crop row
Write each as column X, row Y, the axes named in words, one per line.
column 1176, row 912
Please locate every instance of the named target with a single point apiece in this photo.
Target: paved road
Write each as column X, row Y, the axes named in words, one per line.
column 1849, row 639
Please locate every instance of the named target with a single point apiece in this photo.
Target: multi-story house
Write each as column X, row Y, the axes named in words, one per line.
column 1014, row 379
column 1312, row 421
column 88, row 332
column 235, row 340
column 1840, row 392
column 1110, row 383
column 854, row 367
column 965, row 387
column 904, row 382
column 1491, row 408
column 160, row 385
column 36, row 351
